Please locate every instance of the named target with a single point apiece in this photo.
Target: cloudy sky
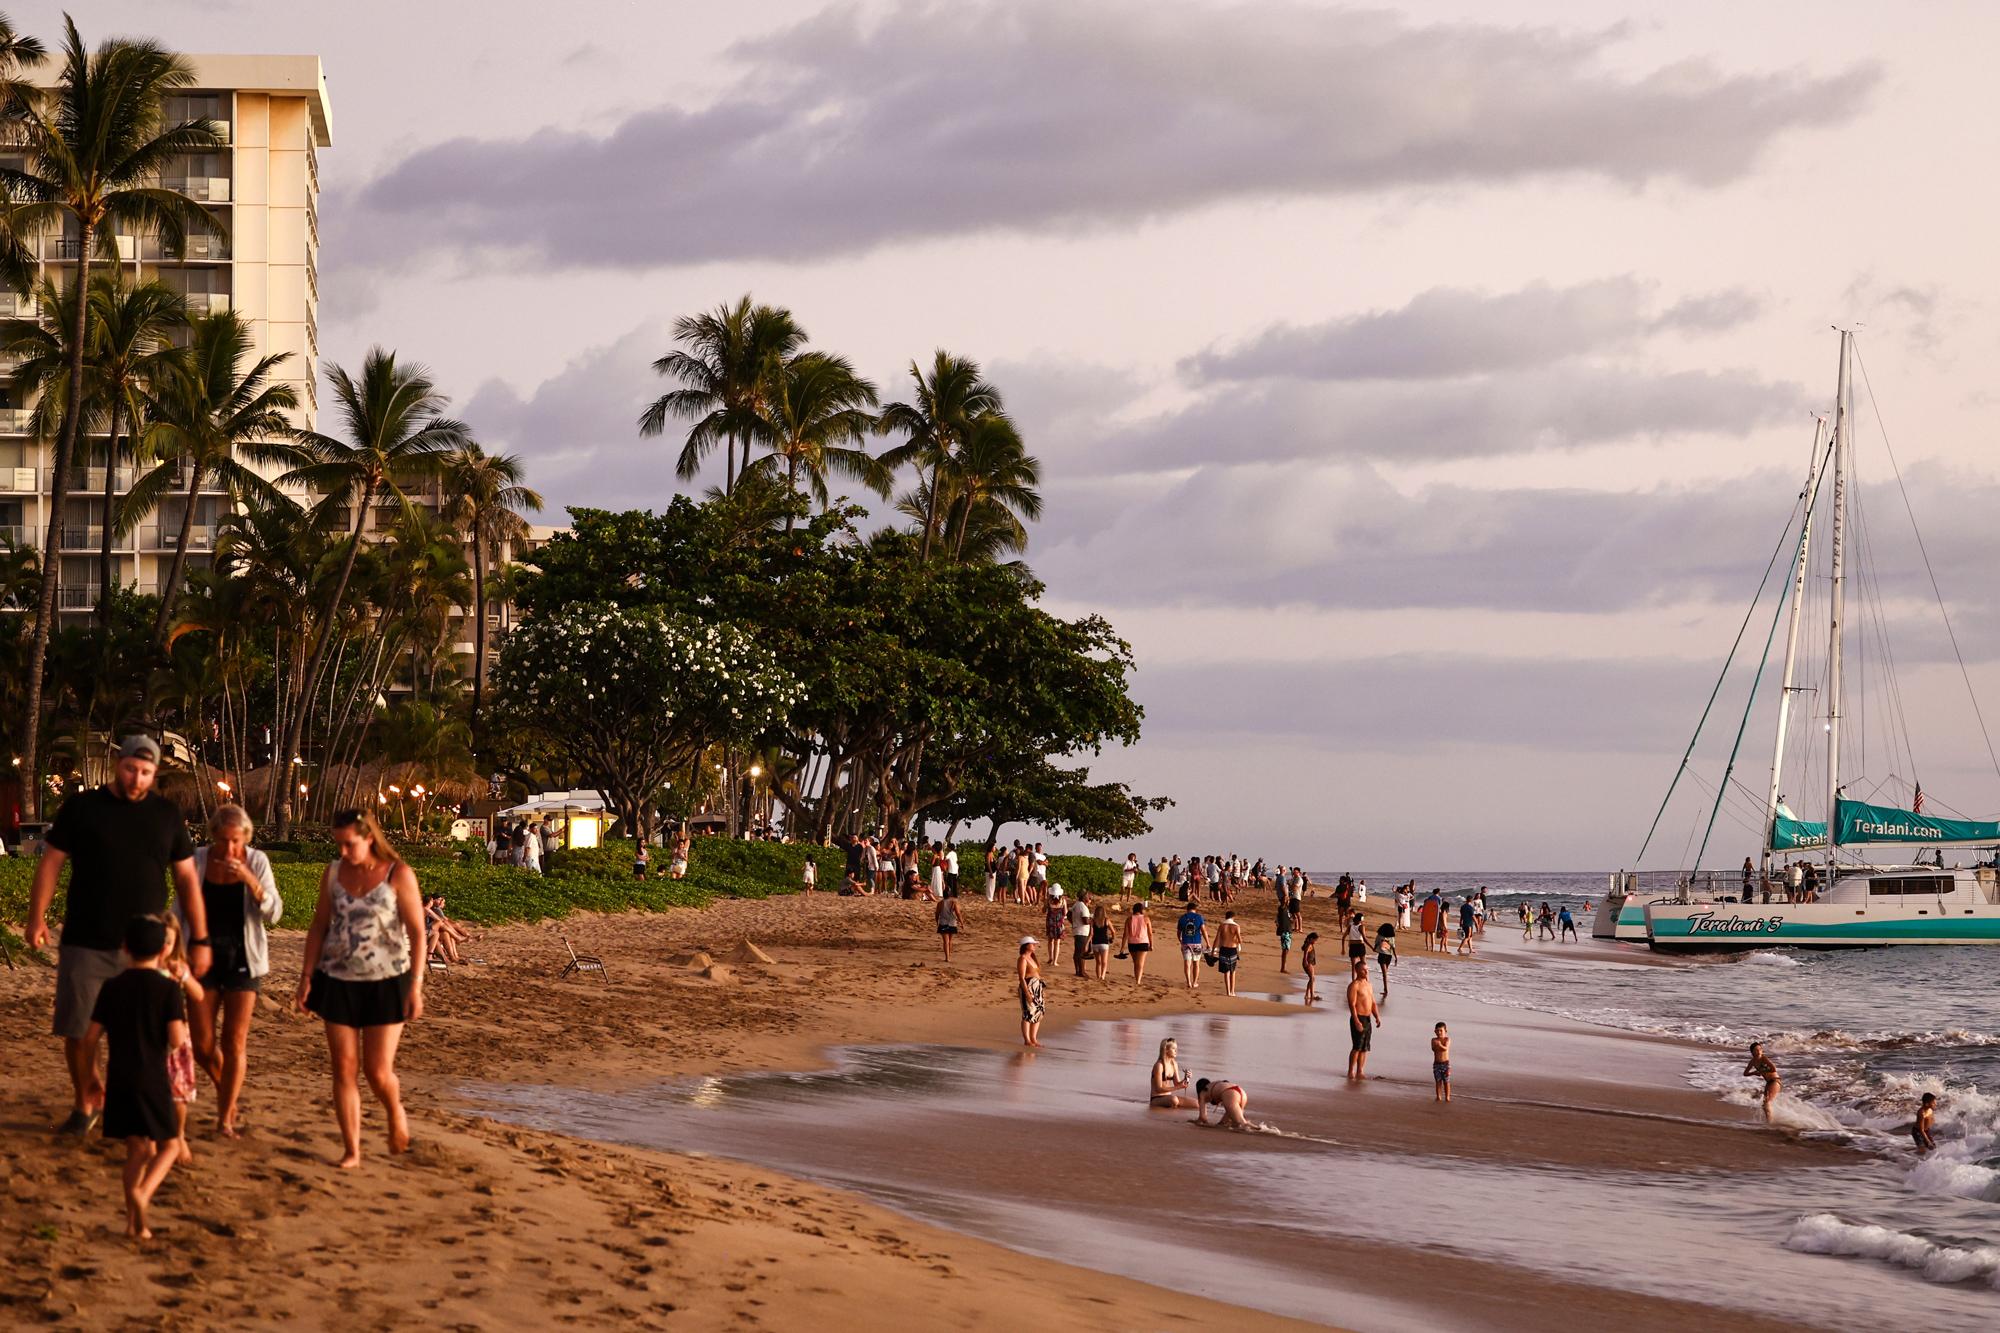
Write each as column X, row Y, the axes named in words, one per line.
column 1421, row 389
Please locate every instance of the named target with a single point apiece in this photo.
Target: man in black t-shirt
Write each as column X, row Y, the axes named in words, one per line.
column 120, row 842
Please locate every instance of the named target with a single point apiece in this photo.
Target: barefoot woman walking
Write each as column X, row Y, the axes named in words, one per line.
column 241, row 896
column 364, row 972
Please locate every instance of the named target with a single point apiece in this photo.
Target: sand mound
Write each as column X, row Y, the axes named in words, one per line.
column 718, row 972
column 747, row 953
column 694, row 962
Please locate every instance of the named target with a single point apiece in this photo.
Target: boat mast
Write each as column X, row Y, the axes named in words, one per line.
column 1843, row 418
column 1792, row 645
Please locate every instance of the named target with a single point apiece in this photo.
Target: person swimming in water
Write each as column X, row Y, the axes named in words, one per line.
column 1168, row 1080
column 1227, row 1098
column 1760, row 1066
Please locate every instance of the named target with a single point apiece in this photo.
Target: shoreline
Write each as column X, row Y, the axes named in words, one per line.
column 844, row 973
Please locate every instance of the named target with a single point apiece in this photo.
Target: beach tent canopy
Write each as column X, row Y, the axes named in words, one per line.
column 561, row 802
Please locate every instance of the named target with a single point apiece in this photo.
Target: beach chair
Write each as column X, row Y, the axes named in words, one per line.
column 579, row 963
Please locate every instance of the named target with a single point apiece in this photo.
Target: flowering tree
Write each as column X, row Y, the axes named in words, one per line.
column 631, row 698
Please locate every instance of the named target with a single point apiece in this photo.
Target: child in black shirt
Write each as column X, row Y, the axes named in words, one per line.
column 144, row 1015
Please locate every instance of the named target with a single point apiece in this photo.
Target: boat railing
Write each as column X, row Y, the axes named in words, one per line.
column 1681, row 885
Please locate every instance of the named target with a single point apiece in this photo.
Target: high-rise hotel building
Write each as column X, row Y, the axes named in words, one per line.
column 263, row 185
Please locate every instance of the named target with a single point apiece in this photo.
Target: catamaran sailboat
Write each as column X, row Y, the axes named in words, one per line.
column 1858, row 901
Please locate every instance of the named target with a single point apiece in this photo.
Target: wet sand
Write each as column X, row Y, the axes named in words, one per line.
column 505, row 1226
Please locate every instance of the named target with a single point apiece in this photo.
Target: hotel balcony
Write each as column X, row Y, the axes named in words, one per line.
column 193, row 249
column 13, row 305
column 167, row 537
column 27, row 480
column 15, row 420
column 91, row 479
column 15, row 535
column 82, row 536
column 201, row 189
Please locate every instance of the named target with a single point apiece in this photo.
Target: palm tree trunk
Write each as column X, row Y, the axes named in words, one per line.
column 792, row 481
column 45, row 616
column 110, row 494
column 315, row 660
column 478, row 628
column 170, row 594
column 930, row 509
column 729, row 469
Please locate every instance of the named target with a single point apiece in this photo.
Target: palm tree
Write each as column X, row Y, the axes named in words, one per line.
column 210, row 412
column 724, row 367
column 816, row 418
column 985, row 496
column 995, row 482
column 937, row 424
column 487, row 498
column 93, row 148
column 132, row 354
column 396, row 435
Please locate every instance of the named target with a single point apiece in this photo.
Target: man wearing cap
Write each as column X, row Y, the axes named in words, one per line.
column 120, row 841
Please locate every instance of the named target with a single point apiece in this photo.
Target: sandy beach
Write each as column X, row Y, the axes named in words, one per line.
column 496, row 1225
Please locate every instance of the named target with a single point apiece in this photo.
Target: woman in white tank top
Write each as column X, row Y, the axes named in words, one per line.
column 364, row 973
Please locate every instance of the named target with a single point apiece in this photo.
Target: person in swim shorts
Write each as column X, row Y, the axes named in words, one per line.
column 1440, row 1064
column 1362, row 1016
column 1228, row 951
column 1921, row 1130
column 1227, row 1098
column 1192, row 931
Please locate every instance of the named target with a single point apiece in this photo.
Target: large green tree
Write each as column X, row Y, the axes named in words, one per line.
column 94, row 149
column 632, row 697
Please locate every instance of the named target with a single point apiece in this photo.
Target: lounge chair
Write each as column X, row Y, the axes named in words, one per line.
column 579, row 963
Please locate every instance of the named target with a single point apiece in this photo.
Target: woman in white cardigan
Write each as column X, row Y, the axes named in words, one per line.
column 241, row 895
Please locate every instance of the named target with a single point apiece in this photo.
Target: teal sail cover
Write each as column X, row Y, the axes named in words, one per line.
column 1886, row 823
column 1792, row 835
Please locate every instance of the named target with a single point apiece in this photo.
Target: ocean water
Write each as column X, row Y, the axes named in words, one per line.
column 1858, row 1035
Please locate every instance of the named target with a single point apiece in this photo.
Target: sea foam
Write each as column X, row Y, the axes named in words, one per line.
column 1824, row 1233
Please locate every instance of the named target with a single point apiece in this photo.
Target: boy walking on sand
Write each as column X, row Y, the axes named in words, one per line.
column 143, row 1014
column 1440, row 1064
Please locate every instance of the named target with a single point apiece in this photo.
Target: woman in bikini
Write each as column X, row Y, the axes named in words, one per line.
column 1168, row 1080
column 1028, row 974
column 1385, row 953
column 1760, row 1066
column 1228, row 1098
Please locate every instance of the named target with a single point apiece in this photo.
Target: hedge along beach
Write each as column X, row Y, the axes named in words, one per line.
column 856, row 1071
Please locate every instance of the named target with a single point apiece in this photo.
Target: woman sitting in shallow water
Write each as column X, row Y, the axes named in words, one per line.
column 1168, row 1079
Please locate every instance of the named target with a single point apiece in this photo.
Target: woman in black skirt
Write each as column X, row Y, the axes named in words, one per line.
column 364, row 972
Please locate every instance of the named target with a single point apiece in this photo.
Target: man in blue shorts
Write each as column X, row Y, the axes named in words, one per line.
column 1193, row 931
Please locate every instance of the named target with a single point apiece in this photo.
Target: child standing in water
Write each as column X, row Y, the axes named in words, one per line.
column 1440, row 1064
column 1309, row 960
column 1921, row 1130
column 142, row 1015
